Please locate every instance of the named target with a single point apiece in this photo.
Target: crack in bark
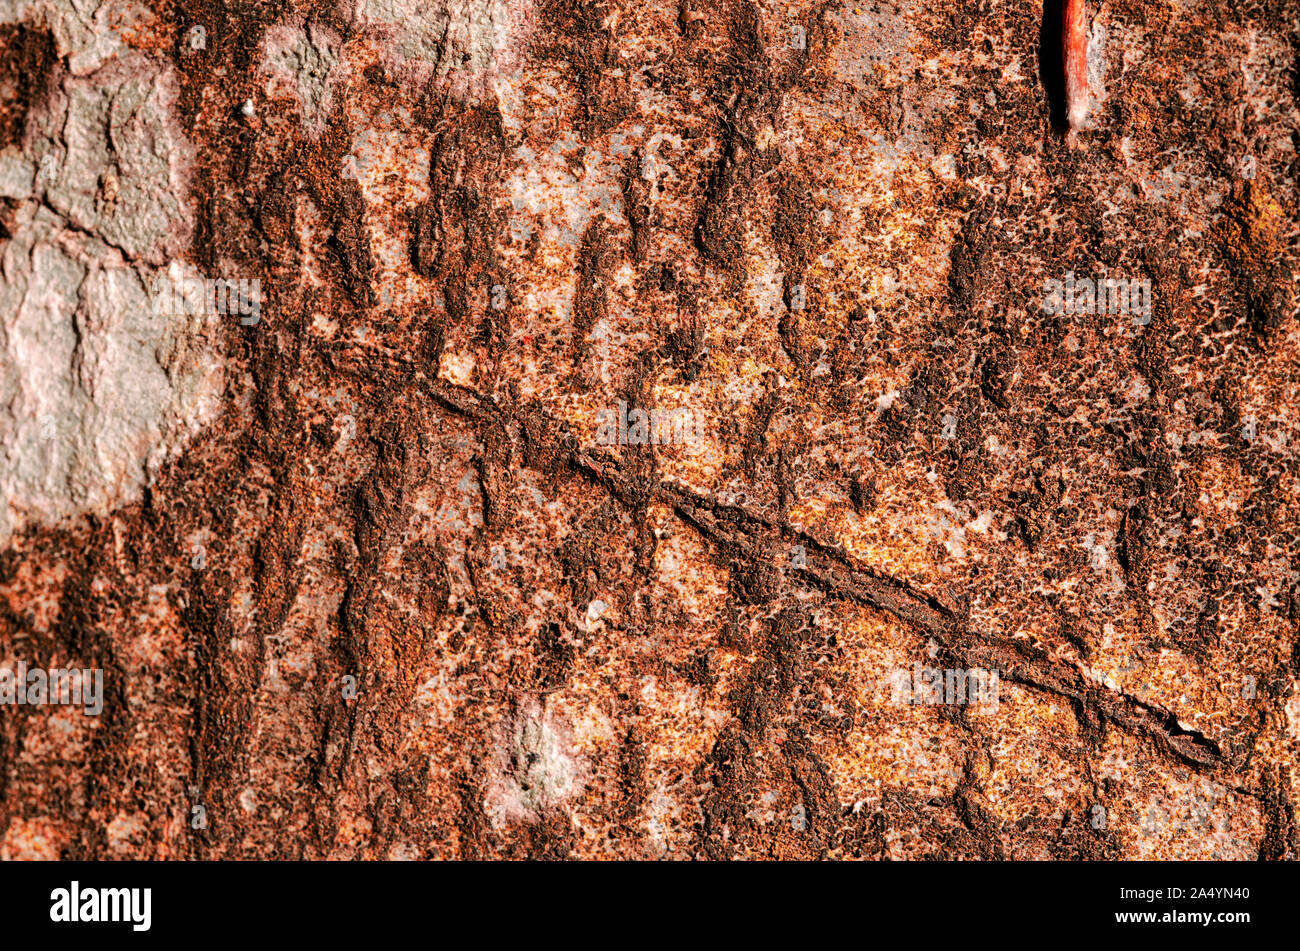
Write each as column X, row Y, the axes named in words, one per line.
column 832, row 571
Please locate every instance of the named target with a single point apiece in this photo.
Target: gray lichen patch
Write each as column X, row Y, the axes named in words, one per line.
column 535, row 768
column 473, row 44
column 300, row 62
column 84, row 32
column 17, row 175
column 121, row 161
column 98, row 384
column 96, row 388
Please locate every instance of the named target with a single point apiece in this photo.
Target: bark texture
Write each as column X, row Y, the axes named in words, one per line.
column 370, row 573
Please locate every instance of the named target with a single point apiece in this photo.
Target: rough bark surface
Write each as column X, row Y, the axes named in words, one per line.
column 365, row 576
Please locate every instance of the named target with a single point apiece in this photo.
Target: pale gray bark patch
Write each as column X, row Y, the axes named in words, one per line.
column 470, row 43
column 303, row 62
column 97, row 385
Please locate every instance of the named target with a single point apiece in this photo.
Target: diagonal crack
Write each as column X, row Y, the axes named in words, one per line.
column 833, row 572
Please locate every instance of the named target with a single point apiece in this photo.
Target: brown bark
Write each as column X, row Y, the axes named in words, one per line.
column 370, row 572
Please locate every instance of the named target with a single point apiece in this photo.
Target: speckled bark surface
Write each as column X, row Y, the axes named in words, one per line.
column 366, row 580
